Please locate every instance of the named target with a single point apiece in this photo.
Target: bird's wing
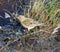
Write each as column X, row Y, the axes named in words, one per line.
column 29, row 23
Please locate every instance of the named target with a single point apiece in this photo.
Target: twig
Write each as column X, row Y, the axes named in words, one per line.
column 40, row 31
column 10, row 42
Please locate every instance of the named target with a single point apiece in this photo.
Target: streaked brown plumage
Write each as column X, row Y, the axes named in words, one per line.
column 28, row 22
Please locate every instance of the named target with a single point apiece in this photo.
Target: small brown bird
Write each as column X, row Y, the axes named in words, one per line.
column 28, row 22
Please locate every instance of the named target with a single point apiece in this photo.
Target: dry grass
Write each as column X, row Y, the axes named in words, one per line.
column 47, row 14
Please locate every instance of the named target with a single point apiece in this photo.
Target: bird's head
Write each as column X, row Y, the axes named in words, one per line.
column 21, row 18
